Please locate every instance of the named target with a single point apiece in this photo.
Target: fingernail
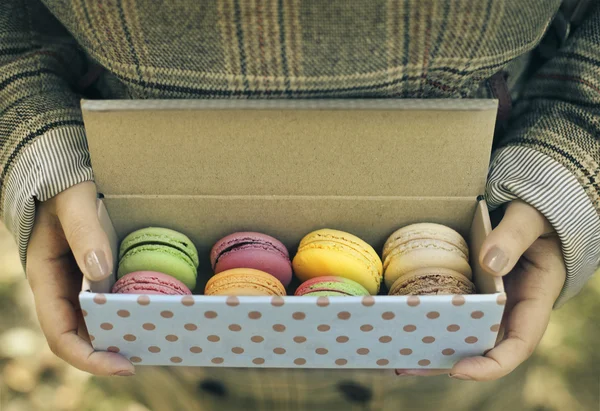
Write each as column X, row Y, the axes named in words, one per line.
column 96, row 264
column 460, row 377
column 412, row 373
column 495, row 260
column 124, row 373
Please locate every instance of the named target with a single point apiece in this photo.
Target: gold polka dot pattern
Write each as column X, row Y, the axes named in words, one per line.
column 166, row 314
column 328, row 332
column 123, row 313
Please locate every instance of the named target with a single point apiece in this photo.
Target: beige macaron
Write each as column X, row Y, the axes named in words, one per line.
column 424, row 245
column 432, row 281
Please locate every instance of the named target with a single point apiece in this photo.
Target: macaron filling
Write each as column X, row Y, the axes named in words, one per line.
column 159, row 236
column 158, row 246
column 249, row 244
column 452, row 238
column 421, row 244
column 327, row 293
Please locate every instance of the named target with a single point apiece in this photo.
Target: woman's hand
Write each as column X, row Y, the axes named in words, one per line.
column 67, row 240
column 525, row 250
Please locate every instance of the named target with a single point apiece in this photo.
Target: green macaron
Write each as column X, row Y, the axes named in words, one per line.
column 162, row 250
column 331, row 286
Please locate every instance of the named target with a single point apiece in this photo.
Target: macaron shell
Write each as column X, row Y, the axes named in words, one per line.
column 317, row 260
column 258, row 257
column 163, row 259
column 160, row 236
column 344, row 238
column 422, row 258
column 148, row 282
column 432, row 281
column 332, row 285
column 242, row 290
column 326, row 294
column 425, row 231
column 244, row 282
column 422, row 244
column 246, row 237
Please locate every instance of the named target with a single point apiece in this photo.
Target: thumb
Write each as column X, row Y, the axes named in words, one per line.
column 76, row 211
column 517, row 231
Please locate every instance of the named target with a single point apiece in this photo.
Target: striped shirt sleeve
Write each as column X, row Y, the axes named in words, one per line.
column 53, row 162
column 43, row 148
column 542, row 182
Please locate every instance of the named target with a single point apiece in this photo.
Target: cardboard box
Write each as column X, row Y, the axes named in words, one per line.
column 209, row 168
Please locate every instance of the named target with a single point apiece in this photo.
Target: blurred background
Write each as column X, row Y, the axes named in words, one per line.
column 562, row 375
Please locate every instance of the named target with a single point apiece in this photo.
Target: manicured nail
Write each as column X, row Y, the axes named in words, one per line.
column 411, row 373
column 460, row 377
column 96, row 264
column 124, row 373
column 495, row 260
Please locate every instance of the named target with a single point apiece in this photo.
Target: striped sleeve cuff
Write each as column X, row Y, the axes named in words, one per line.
column 55, row 161
column 542, row 182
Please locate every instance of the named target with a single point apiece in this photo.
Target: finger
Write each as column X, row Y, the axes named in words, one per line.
column 524, row 330
column 526, row 320
column 76, row 211
column 59, row 322
column 413, row 372
column 81, row 327
column 519, row 228
column 55, row 294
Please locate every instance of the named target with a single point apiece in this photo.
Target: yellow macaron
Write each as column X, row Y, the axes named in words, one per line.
column 329, row 252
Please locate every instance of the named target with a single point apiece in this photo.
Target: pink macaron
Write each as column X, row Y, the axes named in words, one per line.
column 252, row 250
column 150, row 282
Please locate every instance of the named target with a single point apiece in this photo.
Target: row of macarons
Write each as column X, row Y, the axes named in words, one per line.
column 418, row 259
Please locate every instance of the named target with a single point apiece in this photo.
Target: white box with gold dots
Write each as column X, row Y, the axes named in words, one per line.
column 286, row 168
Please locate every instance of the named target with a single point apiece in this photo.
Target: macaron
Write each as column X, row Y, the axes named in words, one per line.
column 244, row 282
column 330, row 286
column 329, row 252
column 150, row 282
column 252, row 250
column 432, row 280
column 160, row 250
column 424, row 245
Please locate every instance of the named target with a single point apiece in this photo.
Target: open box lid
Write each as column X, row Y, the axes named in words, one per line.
column 381, row 148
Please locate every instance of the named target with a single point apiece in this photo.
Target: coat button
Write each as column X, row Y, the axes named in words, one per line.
column 355, row 392
column 213, row 387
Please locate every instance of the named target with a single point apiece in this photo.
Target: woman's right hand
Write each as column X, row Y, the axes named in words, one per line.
column 67, row 240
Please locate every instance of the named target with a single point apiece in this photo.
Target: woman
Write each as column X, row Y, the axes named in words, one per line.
column 545, row 169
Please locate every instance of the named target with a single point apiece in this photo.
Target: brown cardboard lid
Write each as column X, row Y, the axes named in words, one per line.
column 382, row 148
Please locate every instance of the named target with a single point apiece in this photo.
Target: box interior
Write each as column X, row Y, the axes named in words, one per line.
column 479, row 228
column 285, row 168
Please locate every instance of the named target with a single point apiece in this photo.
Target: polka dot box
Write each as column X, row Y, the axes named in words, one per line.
column 208, row 168
column 343, row 332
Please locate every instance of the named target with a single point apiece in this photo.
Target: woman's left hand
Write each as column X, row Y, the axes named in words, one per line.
column 527, row 252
